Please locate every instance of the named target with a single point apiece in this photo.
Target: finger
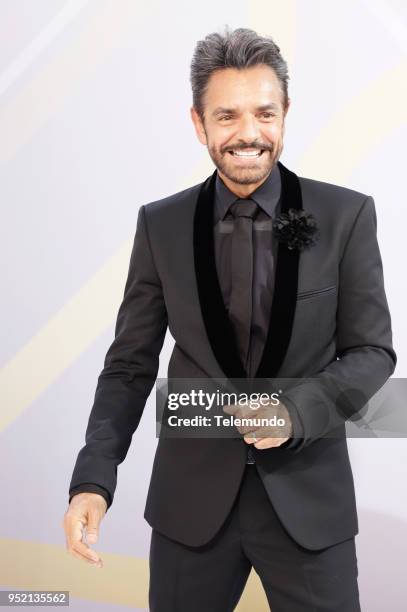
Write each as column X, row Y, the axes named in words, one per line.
column 239, row 408
column 249, row 440
column 75, row 537
column 245, row 429
column 269, row 443
column 74, row 529
column 267, row 432
column 78, row 555
column 231, row 409
column 242, row 411
column 92, row 529
column 86, row 555
column 256, row 412
column 255, row 434
column 86, row 552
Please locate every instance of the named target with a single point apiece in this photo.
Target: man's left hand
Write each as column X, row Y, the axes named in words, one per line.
column 267, row 436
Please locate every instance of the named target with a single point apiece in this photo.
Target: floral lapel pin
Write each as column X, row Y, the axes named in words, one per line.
column 296, row 228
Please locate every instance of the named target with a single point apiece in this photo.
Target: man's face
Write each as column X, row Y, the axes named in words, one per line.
column 244, row 113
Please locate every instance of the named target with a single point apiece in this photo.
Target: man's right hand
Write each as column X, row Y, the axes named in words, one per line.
column 86, row 510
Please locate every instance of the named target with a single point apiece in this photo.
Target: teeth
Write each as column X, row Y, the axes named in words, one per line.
column 247, row 154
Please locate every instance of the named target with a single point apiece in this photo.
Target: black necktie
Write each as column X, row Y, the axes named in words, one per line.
column 240, row 307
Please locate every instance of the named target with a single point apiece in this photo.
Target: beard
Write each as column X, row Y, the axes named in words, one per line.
column 258, row 169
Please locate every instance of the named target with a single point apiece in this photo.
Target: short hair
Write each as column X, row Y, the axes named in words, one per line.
column 240, row 48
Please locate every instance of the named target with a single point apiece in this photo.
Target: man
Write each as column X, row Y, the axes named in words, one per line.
column 248, row 289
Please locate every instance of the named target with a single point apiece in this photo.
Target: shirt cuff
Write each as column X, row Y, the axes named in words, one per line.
column 90, row 487
column 298, row 430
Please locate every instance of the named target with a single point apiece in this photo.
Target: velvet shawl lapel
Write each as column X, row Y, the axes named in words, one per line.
column 214, row 313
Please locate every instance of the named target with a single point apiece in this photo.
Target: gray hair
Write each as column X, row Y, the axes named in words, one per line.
column 240, row 48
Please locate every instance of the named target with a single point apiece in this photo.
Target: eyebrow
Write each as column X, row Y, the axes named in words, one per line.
column 222, row 109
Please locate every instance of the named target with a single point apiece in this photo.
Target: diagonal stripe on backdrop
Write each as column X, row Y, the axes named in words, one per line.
column 352, row 132
column 123, row 580
column 109, row 26
column 59, row 23
column 70, row 331
column 39, row 566
column 390, row 19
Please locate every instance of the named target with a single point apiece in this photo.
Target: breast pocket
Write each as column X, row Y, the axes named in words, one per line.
column 304, row 295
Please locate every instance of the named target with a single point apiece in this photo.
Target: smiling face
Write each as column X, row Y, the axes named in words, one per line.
column 243, row 126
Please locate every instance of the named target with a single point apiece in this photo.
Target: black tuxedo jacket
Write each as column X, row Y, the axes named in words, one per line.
column 329, row 322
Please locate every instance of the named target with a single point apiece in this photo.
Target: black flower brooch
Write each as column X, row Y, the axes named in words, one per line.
column 296, row 228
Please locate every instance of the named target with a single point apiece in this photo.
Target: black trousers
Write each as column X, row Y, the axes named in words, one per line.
column 211, row 578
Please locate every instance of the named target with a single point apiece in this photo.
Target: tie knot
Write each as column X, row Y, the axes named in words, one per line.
column 244, row 208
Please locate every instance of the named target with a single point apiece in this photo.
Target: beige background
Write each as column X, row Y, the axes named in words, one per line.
column 94, row 104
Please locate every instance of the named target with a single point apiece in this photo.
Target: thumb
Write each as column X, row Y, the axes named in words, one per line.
column 92, row 530
column 230, row 408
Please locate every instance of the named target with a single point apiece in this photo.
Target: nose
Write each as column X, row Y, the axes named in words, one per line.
column 248, row 129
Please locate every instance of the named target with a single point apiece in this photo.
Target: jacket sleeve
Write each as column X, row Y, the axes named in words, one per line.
column 129, row 372
column 89, row 487
column 365, row 356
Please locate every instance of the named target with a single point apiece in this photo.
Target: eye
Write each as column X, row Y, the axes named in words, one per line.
column 265, row 114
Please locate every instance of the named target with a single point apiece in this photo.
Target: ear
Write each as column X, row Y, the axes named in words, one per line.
column 285, row 114
column 199, row 128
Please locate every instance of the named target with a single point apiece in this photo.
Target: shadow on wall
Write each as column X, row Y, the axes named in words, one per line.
column 381, row 551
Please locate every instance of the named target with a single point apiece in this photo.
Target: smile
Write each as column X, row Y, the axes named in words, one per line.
column 246, row 155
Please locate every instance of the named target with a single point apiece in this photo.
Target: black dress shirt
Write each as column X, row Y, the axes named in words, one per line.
column 267, row 197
